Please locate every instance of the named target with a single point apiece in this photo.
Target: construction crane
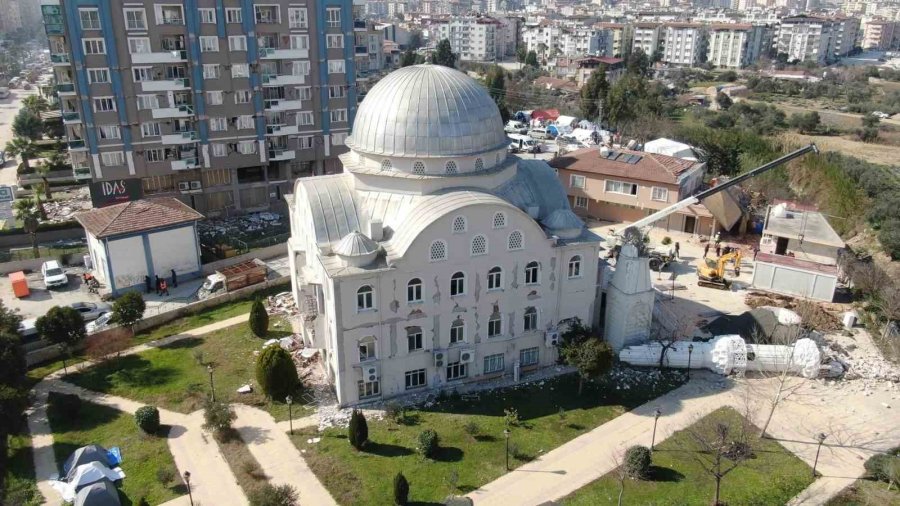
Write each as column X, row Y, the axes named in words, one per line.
column 711, row 273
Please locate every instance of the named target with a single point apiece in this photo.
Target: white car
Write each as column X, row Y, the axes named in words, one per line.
column 53, row 274
column 515, row 127
column 99, row 324
column 881, row 115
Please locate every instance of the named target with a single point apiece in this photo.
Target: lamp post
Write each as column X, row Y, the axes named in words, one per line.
column 690, row 351
column 212, row 387
column 187, row 481
column 655, row 420
column 820, row 437
column 506, row 435
column 289, row 402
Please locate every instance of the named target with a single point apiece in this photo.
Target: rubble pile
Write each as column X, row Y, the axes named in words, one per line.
column 281, row 304
column 64, row 208
column 814, row 315
column 247, row 226
column 627, row 378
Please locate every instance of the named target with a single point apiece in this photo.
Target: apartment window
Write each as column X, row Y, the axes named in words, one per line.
column 214, row 97
column 581, row 202
column 575, row 267
column 530, row 319
column 209, row 44
column 368, row 389
column 532, row 273
column 267, row 14
column 245, row 122
column 493, row 363
column 437, row 251
column 299, row 41
column 305, row 92
column 415, row 379
column 305, row 118
column 233, row 15
column 495, row 278
column 135, row 19
column 219, row 149
column 529, row 356
column 335, row 66
column 142, row 74
column 334, row 41
column 414, row 291
column 660, row 194
column 338, row 91
column 218, row 124
column 96, row 76
column 576, row 181
column 138, row 45
column 237, row 43
column 366, row 349
column 90, row 19
column 514, row 241
column 365, row 298
column 300, row 68
column 240, row 70
column 109, row 132
column 457, row 331
column 208, row 16
column 104, row 104
column 147, row 102
column 150, row 129
column 169, row 14
column 333, row 17
column 242, row 96
column 297, row 18
column 495, row 325
column 479, row 245
column 457, row 371
column 154, row 155
column 112, row 158
column 158, row 184
column 339, row 115
column 414, row 338
column 457, row 284
column 306, row 142
column 210, row 71
column 620, row 187
column 339, row 139
column 94, row 46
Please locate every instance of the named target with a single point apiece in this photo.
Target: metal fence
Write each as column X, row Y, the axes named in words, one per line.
column 16, row 254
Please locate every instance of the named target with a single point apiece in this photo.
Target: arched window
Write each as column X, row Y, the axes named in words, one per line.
column 414, row 290
column 459, row 224
column 418, row 168
column 479, row 245
column 438, row 251
column 479, row 164
column 386, row 165
column 575, row 267
column 531, row 322
column 457, row 284
column 499, row 220
column 457, row 331
column 451, row 167
column 365, row 298
column 532, row 273
column 495, row 278
column 495, row 325
column 367, row 348
column 515, row 241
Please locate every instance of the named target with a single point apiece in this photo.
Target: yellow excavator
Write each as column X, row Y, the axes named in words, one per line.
column 711, row 273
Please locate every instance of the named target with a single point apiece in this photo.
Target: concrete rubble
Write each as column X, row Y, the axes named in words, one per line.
column 281, row 304
column 64, row 207
column 240, row 227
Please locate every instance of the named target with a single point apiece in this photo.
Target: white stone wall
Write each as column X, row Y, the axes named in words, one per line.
column 129, row 265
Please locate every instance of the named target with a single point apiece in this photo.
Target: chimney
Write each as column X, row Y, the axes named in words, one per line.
column 376, row 230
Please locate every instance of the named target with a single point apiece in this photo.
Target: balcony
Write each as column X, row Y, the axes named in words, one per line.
column 281, row 80
column 60, row 59
column 71, row 117
column 280, row 104
column 81, row 173
column 160, row 57
column 66, row 88
column 277, row 155
column 180, row 138
column 185, row 164
column 77, row 145
column 167, row 85
column 54, row 28
column 270, row 53
column 176, row 19
column 181, row 111
column 272, row 130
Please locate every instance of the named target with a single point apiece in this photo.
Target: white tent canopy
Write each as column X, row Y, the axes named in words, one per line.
column 663, row 146
column 566, row 121
column 86, row 474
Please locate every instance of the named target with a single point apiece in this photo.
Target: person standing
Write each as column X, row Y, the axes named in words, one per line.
column 147, row 283
column 706, row 250
column 718, row 250
column 677, row 251
column 163, row 287
column 157, row 284
column 174, row 279
column 755, row 252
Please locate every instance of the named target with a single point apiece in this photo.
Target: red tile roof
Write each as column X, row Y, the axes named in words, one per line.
column 136, row 216
column 730, row 26
column 651, row 166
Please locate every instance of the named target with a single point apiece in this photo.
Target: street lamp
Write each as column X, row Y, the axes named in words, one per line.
column 289, row 402
column 656, row 415
column 820, row 437
column 212, row 387
column 690, row 351
column 187, row 481
column 506, row 435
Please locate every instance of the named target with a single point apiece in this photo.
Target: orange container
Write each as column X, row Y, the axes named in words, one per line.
column 19, row 284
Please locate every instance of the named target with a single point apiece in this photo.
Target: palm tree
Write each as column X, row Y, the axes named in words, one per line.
column 24, row 147
column 35, row 103
column 26, row 210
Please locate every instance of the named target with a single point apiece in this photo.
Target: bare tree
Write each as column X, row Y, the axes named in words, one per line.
column 619, row 473
column 721, row 446
column 669, row 330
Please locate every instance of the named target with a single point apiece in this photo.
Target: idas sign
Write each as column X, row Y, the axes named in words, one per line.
column 116, row 191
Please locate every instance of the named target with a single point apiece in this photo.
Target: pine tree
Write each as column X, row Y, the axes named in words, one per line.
column 259, row 319
column 276, row 373
column 401, row 490
column 358, row 431
column 443, row 55
column 593, row 94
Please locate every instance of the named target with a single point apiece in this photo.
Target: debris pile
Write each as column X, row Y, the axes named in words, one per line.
column 245, row 227
column 63, row 208
column 281, row 303
column 814, row 315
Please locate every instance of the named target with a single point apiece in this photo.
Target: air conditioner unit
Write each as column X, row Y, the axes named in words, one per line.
column 440, row 358
column 466, row 356
column 551, row 338
column 184, row 186
column 195, row 185
column 370, row 372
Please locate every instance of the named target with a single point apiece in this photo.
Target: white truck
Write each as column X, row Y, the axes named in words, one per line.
column 233, row 277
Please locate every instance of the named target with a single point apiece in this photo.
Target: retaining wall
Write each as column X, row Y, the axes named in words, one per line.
column 266, row 253
column 24, row 240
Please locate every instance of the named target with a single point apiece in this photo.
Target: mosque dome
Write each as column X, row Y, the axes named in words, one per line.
column 564, row 223
column 356, row 249
column 427, row 111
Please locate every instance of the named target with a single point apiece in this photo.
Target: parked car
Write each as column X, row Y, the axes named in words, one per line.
column 53, row 274
column 515, row 127
column 101, row 323
column 540, row 133
column 881, row 115
column 91, row 310
column 521, row 143
column 28, row 328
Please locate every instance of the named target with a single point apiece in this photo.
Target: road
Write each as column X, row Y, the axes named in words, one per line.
column 9, row 107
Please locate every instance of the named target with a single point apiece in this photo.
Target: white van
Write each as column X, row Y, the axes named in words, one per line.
column 515, row 127
column 523, row 143
column 53, row 274
column 540, row 133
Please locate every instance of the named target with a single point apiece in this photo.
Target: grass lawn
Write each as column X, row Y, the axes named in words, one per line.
column 142, row 455
column 19, row 482
column 245, row 467
column 467, row 459
column 172, row 377
column 867, row 493
column 772, row 477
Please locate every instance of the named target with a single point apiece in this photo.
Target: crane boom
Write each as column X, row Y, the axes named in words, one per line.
column 694, row 199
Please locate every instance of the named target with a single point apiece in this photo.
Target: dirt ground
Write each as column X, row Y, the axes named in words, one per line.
column 874, row 153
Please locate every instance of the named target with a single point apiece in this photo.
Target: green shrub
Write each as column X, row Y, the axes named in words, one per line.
column 401, row 490
column 637, row 462
column 270, row 495
column 666, row 241
column 884, row 466
column 276, row 373
column 147, row 418
column 511, row 417
column 165, row 475
column 428, row 442
column 472, row 428
column 143, row 501
column 218, row 417
column 394, row 412
column 259, row 319
column 358, row 430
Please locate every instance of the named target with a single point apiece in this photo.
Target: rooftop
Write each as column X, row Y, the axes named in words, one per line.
column 807, row 226
column 136, row 216
column 626, row 163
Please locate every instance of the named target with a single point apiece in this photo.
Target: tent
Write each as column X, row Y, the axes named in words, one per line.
column 663, row 146
column 566, row 121
column 545, row 114
column 86, row 474
column 85, row 455
column 101, row 493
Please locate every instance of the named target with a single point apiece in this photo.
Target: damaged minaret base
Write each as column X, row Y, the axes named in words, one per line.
column 731, row 354
column 629, row 300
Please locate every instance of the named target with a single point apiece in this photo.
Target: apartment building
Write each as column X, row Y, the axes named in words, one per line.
column 541, row 38
column 646, row 37
column 614, row 38
column 473, row 38
column 682, row 44
column 845, row 32
column 734, row 46
column 221, row 103
column 805, row 38
column 880, row 34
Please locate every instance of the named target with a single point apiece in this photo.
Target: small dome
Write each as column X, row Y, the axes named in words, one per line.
column 427, row 111
column 564, row 223
column 356, row 244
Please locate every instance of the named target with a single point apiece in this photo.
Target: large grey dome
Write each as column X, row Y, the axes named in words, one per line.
column 427, row 111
